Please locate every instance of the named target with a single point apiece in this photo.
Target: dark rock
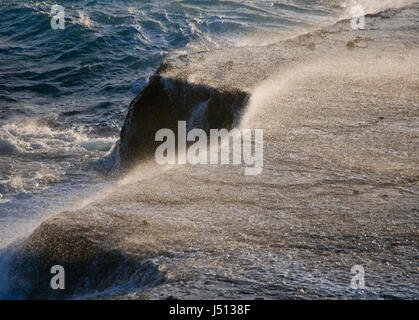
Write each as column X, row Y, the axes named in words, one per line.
column 164, row 102
column 89, row 265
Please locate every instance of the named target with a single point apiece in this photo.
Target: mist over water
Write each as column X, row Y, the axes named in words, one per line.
column 65, row 93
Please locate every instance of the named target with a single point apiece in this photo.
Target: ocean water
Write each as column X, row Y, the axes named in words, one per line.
column 64, row 94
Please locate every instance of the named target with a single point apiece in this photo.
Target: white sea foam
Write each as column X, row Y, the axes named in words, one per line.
column 32, row 136
column 84, row 19
column 374, row 6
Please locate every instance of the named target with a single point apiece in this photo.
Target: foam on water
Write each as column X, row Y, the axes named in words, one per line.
column 373, row 6
column 47, row 146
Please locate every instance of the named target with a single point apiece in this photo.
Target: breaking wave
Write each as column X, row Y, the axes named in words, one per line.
column 50, row 163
